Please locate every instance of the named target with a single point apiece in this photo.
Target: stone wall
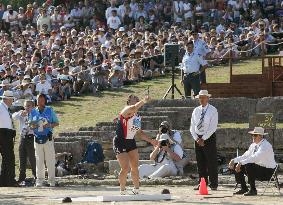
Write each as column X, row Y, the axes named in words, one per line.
column 234, row 109
column 178, row 113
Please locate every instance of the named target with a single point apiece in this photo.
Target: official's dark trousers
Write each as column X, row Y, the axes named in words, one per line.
column 7, row 177
column 191, row 82
column 202, row 77
column 207, row 161
column 253, row 172
column 26, row 151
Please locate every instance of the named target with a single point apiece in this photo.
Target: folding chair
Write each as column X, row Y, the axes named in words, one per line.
column 273, row 181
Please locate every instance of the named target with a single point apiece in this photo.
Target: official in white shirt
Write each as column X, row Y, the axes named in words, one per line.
column 26, row 147
column 204, row 123
column 7, row 135
column 191, row 69
column 257, row 163
column 201, row 48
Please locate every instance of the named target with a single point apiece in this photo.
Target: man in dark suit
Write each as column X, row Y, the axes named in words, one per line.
column 7, row 135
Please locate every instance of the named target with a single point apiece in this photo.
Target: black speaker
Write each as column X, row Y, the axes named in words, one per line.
column 171, row 53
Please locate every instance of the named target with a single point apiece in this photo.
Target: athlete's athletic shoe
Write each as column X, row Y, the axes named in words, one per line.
column 135, row 191
column 124, row 192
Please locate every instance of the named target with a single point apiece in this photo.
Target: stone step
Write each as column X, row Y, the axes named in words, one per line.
column 238, row 107
column 169, row 109
column 98, row 128
column 227, row 138
column 105, row 124
column 99, row 134
column 77, row 146
column 157, row 113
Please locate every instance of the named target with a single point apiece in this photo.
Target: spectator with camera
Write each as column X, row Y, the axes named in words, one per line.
column 82, row 78
column 43, row 120
column 165, row 154
column 26, row 147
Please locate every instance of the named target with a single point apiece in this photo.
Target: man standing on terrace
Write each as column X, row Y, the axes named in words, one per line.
column 204, row 123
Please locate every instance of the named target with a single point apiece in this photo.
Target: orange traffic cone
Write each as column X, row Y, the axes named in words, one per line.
column 202, row 187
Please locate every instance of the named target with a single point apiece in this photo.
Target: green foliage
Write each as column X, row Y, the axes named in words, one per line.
column 20, row 3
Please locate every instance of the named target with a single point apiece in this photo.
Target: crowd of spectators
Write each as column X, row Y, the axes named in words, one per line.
column 62, row 49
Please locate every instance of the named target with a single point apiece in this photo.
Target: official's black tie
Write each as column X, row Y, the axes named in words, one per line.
column 200, row 124
column 9, row 111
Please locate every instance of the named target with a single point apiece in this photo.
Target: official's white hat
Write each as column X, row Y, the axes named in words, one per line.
column 258, row 131
column 203, row 93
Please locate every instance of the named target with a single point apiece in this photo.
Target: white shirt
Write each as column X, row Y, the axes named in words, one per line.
column 122, row 10
column 177, row 149
column 132, row 125
column 201, row 47
column 177, row 136
column 179, row 6
column 23, row 122
column 43, row 88
column 7, row 16
column 5, row 118
column 191, row 62
column 108, row 12
column 188, row 7
column 76, row 13
column 219, row 28
column 261, row 154
column 209, row 124
column 114, row 22
column 134, row 7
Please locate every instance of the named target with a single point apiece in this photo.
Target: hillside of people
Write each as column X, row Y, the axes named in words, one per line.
column 64, row 49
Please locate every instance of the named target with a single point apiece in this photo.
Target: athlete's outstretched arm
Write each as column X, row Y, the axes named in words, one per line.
column 146, row 138
column 129, row 111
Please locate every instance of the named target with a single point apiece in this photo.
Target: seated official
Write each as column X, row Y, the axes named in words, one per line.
column 165, row 154
column 257, row 163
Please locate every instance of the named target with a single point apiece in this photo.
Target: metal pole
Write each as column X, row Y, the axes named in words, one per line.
column 230, row 65
column 173, row 77
column 273, row 138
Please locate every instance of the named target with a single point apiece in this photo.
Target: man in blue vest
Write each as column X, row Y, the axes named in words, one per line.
column 43, row 119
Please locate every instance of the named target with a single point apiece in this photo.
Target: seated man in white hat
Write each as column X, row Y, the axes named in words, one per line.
column 165, row 154
column 257, row 163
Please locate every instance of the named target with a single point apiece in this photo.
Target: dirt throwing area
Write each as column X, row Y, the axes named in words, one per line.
column 181, row 195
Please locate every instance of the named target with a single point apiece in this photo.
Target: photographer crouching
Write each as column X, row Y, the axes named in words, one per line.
column 165, row 154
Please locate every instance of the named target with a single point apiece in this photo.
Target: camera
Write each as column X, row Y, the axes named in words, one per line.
column 164, row 143
column 163, row 129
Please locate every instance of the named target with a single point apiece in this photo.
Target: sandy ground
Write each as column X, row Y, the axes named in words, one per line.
column 181, row 195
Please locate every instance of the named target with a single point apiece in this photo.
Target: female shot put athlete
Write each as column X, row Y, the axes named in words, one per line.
column 124, row 144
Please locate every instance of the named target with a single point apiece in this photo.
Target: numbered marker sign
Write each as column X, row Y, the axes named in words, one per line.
column 265, row 120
